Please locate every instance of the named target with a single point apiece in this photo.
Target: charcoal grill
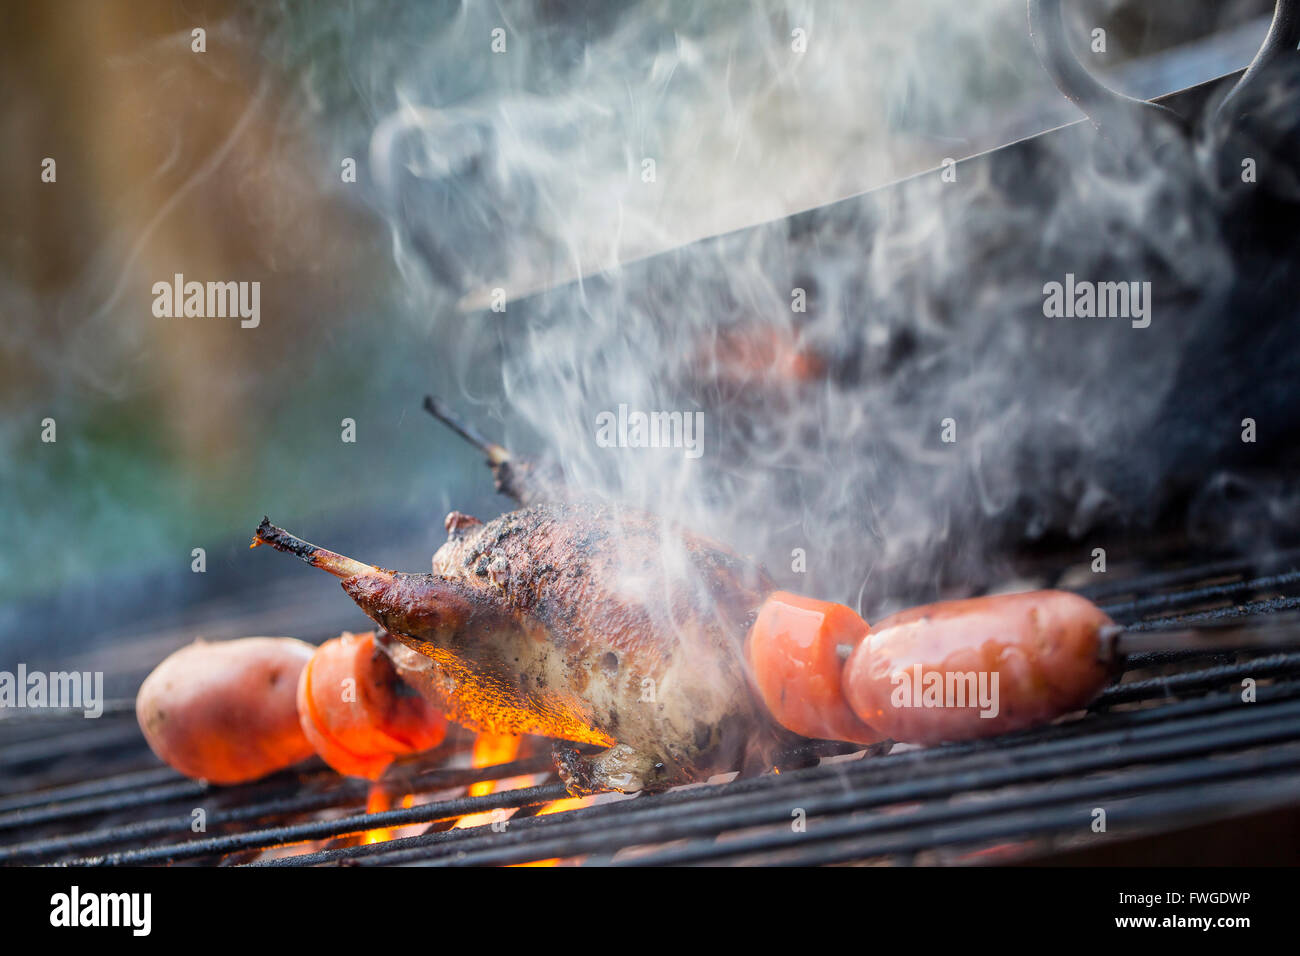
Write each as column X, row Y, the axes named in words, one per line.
column 1171, row 743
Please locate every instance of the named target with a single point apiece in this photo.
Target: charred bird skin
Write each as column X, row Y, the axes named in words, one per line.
column 582, row 622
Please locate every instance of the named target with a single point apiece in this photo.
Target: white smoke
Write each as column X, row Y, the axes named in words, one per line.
column 925, row 302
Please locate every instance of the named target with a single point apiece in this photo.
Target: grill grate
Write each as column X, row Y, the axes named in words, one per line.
column 1172, row 741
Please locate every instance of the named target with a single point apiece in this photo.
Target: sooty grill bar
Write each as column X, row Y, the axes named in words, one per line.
column 845, row 788
column 1172, row 740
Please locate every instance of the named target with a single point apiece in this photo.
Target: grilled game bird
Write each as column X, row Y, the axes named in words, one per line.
column 583, row 622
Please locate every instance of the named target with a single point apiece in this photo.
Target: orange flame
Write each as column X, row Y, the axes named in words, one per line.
column 493, row 749
column 490, row 750
column 568, row 803
column 378, row 802
column 558, row 806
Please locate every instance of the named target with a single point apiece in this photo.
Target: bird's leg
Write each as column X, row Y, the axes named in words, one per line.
column 525, row 481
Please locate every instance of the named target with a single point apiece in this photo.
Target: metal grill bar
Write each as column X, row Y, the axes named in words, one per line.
column 94, row 740
column 1183, row 774
column 109, row 708
column 925, row 773
column 324, row 829
column 143, row 830
column 994, row 825
column 1274, row 665
column 93, row 788
column 344, row 794
column 568, row 837
column 1190, row 574
column 1236, row 611
column 170, row 792
column 1154, row 602
column 356, row 823
column 426, row 781
column 342, row 788
column 1028, row 780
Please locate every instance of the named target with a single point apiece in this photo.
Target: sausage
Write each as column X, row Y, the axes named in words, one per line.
column 959, row 670
column 793, row 650
column 227, row 712
column 358, row 713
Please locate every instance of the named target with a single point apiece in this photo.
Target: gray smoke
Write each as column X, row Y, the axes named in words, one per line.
column 925, row 302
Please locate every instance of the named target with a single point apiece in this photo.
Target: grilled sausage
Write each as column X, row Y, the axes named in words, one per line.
column 958, row 670
column 226, row 712
column 358, row 713
column 794, row 656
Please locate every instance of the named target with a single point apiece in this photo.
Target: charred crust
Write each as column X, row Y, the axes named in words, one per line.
column 507, row 529
column 282, row 540
column 575, row 770
column 457, row 523
column 563, row 589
